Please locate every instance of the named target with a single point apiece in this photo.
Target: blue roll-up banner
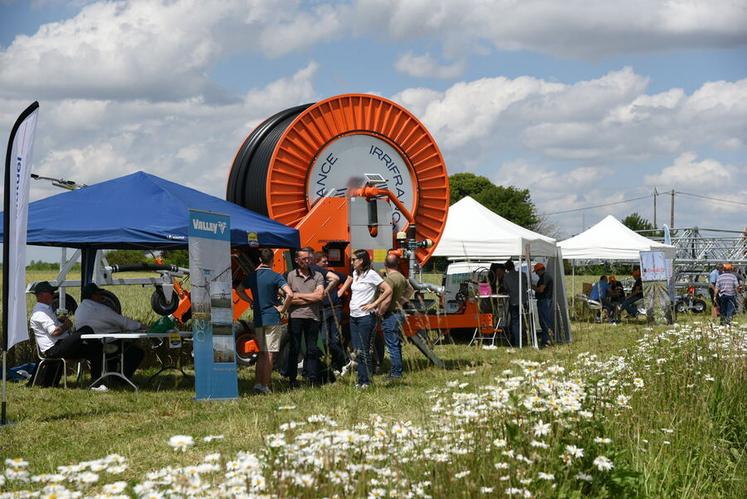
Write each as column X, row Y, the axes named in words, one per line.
column 212, row 306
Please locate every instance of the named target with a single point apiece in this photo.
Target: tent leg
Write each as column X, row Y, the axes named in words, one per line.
column 521, row 308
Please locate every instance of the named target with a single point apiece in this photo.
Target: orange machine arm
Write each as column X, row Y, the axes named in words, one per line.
column 372, row 192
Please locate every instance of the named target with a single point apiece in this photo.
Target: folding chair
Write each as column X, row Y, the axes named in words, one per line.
column 485, row 330
column 46, row 359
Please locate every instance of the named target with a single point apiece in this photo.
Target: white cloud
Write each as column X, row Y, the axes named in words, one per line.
column 688, row 173
column 425, row 66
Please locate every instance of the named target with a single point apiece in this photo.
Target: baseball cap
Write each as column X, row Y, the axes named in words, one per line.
column 43, row 287
column 539, row 266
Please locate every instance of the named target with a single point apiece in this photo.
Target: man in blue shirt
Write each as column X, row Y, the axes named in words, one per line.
column 266, row 311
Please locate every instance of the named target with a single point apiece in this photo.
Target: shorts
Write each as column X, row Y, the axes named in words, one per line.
column 268, row 337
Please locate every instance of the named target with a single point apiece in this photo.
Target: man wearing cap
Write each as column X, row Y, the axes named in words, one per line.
column 95, row 314
column 56, row 337
column 543, row 292
column 726, row 291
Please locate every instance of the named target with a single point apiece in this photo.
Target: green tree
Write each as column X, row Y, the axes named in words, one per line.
column 125, row 257
column 509, row 202
column 637, row 223
column 178, row 257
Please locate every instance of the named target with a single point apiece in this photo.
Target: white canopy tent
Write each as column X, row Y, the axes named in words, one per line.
column 610, row 240
column 473, row 232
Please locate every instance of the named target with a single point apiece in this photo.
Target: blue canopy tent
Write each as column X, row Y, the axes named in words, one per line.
column 140, row 211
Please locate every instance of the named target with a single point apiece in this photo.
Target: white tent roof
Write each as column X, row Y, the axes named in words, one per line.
column 473, row 231
column 609, row 240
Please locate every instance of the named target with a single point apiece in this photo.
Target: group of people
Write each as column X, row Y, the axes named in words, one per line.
column 724, row 286
column 504, row 279
column 611, row 294
column 59, row 337
column 311, row 298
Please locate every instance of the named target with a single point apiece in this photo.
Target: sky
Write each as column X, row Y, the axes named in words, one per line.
column 584, row 103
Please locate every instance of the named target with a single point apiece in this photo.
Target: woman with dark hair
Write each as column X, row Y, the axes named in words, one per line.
column 363, row 285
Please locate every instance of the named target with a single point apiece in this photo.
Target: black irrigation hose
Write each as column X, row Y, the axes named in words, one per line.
column 246, row 182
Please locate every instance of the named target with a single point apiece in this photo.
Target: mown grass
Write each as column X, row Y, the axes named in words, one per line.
column 705, row 455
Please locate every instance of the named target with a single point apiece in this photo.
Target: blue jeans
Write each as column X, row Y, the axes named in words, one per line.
column 628, row 306
column 331, row 318
column 515, row 318
column 391, row 324
column 361, row 334
column 309, row 329
column 544, row 309
column 727, row 306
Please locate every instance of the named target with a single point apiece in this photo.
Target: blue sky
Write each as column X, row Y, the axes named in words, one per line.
column 583, row 103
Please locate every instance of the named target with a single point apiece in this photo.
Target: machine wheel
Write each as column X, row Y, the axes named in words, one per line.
column 679, row 307
column 159, row 304
column 111, row 301
column 245, row 358
column 699, row 306
column 70, row 304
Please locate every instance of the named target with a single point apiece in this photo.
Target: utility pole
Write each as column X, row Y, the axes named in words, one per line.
column 655, row 194
column 671, row 213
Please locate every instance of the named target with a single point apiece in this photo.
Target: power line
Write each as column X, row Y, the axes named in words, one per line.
column 600, row 205
column 718, row 200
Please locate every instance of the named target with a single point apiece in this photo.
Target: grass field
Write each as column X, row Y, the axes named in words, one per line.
column 623, row 411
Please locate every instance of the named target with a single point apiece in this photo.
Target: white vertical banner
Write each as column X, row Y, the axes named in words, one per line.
column 16, row 207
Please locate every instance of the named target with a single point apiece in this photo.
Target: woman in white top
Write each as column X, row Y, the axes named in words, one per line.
column 363, row 285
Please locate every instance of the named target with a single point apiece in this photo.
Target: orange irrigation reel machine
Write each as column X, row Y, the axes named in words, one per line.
column 351, row 172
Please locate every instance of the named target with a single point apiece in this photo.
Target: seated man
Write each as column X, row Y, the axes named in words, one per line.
column 93, row 312
column 56, row 337
column 615, row 296
column 636, row 293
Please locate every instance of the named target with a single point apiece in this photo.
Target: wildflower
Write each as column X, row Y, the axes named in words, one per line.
column 638, row 383
column 600, row 440
column 545, row 476
column 499, row 442
column 541, row 429
column 212, row 457
column 487, row 490
column 462, row 474
column 114, row 488
column 708, row 377
column 574, row 451
column 210, row 438
column 667, row 430
column 377, row 492
column 666, row 442
column 584, row 477
column 286, row 407
column 538, row 444
column 603, row 463
column 16, row 463
column 469, row 373
column 181, row 442
column 501, row 466
column 87, row 477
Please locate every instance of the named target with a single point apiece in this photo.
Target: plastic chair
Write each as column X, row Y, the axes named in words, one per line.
column 45, row 359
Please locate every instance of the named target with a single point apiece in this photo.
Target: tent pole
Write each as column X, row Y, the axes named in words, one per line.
column 521, row 308
column 573, row 285
column 3, row 419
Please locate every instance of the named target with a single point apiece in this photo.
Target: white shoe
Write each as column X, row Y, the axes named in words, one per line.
column 100, row 388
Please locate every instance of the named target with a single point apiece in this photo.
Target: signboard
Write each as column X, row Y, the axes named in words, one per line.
column 212, row 306
column 654, row 266
column 656, row 274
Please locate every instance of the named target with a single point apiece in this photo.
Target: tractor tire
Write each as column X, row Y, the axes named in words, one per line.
column 699, row 306
column 679, row 307
column 111, row 301
column 159, row 304
column 70, row 304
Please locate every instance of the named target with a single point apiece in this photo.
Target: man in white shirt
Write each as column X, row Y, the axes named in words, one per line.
column 95, row 314
column 56, row 338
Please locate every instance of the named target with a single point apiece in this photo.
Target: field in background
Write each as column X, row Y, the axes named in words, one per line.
column 683, row 435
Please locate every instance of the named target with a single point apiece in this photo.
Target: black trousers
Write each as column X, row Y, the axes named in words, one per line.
column 309, row 330
column 73, row 347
